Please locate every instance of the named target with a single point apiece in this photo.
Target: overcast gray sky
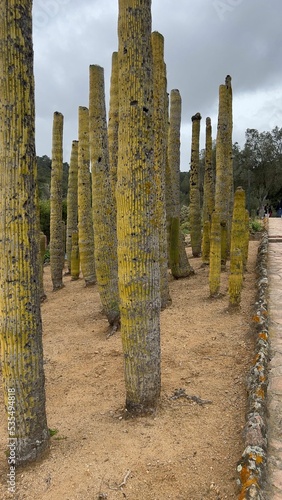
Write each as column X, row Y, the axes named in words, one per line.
column 204, row 41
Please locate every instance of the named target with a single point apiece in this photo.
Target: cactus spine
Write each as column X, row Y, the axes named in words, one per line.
column 103, row 203
column 57, row 254
column 137, row 223
column 20, row 317
column 85, row 224
column 195, row 206
column 72, row 215
column 160, row 155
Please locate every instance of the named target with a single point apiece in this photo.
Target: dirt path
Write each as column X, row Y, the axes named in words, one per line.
column 190, row 448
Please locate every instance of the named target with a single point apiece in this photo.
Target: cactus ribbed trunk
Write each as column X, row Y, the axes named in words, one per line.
column 42, row 250
column 215, row 255
column 180, row 267
column 56, row 233
column 21, row 327
column 160, row 156
column 224, row 166
column 195, row 204
column 85, row 222
column 137, row 223
column 238, row 243
column 113, row 124
column 209, row 185
column 103, row 203
column 75, row 261
column 72, row 215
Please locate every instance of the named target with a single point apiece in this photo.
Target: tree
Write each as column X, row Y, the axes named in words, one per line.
column 21, row 327
column 138, row 235
column 103, row 203
column 57, row 252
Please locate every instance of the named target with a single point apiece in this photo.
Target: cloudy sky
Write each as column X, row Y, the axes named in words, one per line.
column 204, row 41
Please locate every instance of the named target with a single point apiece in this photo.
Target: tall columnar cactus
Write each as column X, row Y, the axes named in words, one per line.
column 160, row 118
column 229, row 156
column 42, row 250
column 195, row 215
column 208, row 201
column 224, row 168
column 20, row 317
column 113, row 123
column 215, row 255
column 57, row 254
column 85, row 221
column 75, row 261
column 103, row 203
column 137, row 222
column 72, row 216
column 238, row 241
column 180, row 267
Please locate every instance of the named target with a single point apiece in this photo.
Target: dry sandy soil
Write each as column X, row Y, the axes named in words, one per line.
column 190, row 448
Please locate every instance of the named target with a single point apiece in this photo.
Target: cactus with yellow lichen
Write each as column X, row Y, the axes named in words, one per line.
column 103, row 202
column 215, row 255
column 137, row 221
column 57, row 254
column 195, row 205
column 21, row 328
column 85, row 223
column 178, row 260
column 75, row 261
column 238, row 242
column 208, row 201
column 224, row 166
column 113, row 123
column 160, row 156
column 42, row 247
column 72, row 207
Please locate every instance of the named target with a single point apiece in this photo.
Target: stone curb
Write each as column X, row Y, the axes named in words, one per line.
column 252, row 465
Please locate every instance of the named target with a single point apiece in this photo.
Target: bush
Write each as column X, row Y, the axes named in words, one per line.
column 256, row 225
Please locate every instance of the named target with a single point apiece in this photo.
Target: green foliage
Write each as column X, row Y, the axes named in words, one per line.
column 44, row 164
column 44, row 206
column 255, row 225
column 258, row 168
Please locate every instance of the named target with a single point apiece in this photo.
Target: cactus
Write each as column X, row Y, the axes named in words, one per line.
column 160, row 156
column 103, row 203
column 224, row 168
column 180, row 268
column 21, row 326
column 57, row 255
column 208, row 201
column 42, row 248
column 72, row 215
column 137, row 222
column 195, row 206
column 75, row 261
column 85, row 223
column 238, row 244
column 113, row 124
column 215, row 255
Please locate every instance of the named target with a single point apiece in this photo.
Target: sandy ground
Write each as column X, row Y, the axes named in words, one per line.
column 190, row 448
